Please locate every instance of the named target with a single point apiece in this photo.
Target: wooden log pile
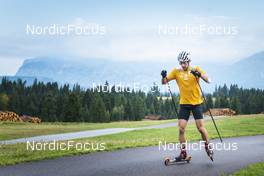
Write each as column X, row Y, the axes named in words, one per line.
column 9, row 116
column 13, row 117
column 154, row 117
column 27, row 118
column 35, row 120
column 221, row 112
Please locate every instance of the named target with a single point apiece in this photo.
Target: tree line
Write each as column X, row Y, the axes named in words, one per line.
column 52, row 102
column 243, row 101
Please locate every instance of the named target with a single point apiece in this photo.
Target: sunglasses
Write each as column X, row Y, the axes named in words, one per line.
column 183, row 63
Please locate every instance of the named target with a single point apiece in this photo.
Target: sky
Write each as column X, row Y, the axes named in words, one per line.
column 222, row 32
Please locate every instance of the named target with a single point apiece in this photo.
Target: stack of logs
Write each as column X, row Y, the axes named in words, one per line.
column 26, row 118
column 10, row 116
column 221, row 112
column 13, row 117
column 154, row 117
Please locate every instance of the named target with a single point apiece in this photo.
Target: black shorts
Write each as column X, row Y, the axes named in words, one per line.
column 185, row 110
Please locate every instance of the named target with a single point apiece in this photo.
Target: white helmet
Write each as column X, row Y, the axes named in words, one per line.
column 184, row 56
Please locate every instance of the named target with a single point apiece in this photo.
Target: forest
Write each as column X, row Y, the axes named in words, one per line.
column 64, row 103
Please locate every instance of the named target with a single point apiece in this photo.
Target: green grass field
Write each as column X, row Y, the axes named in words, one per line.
column 251, row 170
column 13, row 130
column 229, row 127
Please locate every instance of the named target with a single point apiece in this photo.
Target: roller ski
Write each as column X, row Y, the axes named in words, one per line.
column 209, row 151
column 182, row 158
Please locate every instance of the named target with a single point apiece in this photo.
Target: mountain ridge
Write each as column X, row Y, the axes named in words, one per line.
column 246, row 73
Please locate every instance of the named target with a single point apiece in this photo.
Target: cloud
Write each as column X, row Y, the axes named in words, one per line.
column 139, row 41
column 9, row 65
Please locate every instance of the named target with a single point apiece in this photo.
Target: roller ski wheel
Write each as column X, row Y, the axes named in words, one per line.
column 168, row 161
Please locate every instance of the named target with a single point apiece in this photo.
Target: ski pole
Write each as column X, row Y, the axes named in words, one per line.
column 173, row 102
column 209, row 109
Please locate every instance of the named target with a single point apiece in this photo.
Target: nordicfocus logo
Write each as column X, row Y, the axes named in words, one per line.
column 197, row 30
column 230, row 146
column 127, row 88
column 90, row 29
column 64, row 146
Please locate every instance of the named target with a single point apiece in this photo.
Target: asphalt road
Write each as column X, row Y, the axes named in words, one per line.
column 147, row 161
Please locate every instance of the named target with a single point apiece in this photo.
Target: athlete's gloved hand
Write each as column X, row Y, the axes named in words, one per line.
column 163, row 73
column 196, row 73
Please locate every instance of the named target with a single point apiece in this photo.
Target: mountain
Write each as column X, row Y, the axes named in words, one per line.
column 89, row 71
column 247, row 72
